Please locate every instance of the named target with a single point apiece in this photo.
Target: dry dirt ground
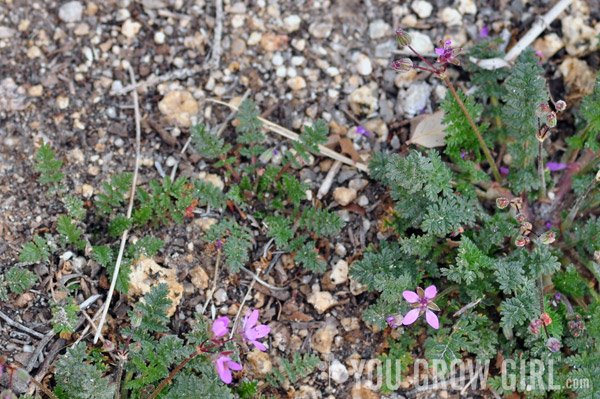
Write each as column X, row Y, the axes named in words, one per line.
column 64, row 79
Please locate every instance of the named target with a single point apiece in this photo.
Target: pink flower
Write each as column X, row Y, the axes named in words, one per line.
column 422, row 301
column 224, row 366
column 219, row 327
column 251, row 333
column 447, row 54
column 504, row 170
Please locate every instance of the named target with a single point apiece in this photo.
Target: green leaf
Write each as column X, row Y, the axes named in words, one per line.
column 570, row 282
column 280, row 228
column 470, row 264
column 102, row 254
column 118, row 225
column 308, row 257
column 47, row 165
column 35, row 251
column 74, row 207
column 207, row 144
column 69, row 231
column 20, row 280
column 321, row 221
column 64, row 317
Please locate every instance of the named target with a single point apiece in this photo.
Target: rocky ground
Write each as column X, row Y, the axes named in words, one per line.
column 64, row 79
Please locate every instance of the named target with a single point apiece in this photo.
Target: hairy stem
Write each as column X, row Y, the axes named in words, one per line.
column 484, row 147
column 173, row 373
column 497, row 119
column 571, row 216
column 541, row 281
column 541, row 173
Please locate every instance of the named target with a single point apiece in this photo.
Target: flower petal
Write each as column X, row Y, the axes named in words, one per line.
column 251, row 320
column 234, row 366
column 432, row 319
column 411, row 317
column 219, row 327
column 259, row 345
column 556, row 166
column 430, row 292
column 439, row 51
column 410, row 296
column 222, row 369
column 257, row 332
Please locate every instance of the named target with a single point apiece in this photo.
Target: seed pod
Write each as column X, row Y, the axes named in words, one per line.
column 553, row 344
column 525, row 228
column 403, row 38
column 403, row 65
column 521, row 241
column 542, row 110
column 502, row 202
column 551, row 120
column 548, row 237
column 546, row 319
column 521, row 218
column 560, row 105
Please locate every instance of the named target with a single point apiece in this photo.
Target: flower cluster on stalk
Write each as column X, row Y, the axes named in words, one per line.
column 250, row 332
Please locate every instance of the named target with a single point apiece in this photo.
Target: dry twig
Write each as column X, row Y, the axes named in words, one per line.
column 138, row 133
column 20, row 326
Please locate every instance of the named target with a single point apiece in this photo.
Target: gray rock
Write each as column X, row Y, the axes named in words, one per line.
column 320, row 29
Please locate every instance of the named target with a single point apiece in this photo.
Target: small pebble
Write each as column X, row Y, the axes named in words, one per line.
column 422, row 8
column 292, row 23
column 363, row 65
column 62, row 102
column 344, row 195
column 70, row 12
column 320, row 29
column 159, row 37
column 338, row 372
column 451, row 17
column 296, row 83
column 378, row 29
column 130, row 28
column 35, row 91
column 34, row 52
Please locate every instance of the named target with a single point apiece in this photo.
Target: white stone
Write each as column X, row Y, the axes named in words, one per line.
column 292, row 23
column 363, row 65
column 87, row 191
column 339, row 272
column 332, row 71
column 277, row 59
column 296, row 83
column 362, row 100
column 451, row 17
column 414, row 99
column 6, row 32
column 254, row 38
column 421, row 42
column 62, row 102
column 238, row 21
column 297, row 60
column 70, row 12
column 320, row 29
column 323, row 337
column 260, row 362
column 215, row 180
column 34, row 52
column 281, row 72
column 340, row 249
column 179, row 106
column 344, row 195
column 159, row 37
column 467, row 7
column 220, row 296
column 548, row 45
column 363, row 200
column 130, row 28
column 321, row 300
column 338, row 372
column 422, row 8
column 205, row 223
column 378, row 29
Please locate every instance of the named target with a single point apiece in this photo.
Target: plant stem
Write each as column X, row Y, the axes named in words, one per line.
column 43, row 388
column 541, row 173
column 571, row 216
column 173, row 373
column 484, row 147
column 128, row 377
column 541, row 281
column 497, row 119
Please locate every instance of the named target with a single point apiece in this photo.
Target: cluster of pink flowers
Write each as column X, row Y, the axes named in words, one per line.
column 250, row 332
column 422, row 302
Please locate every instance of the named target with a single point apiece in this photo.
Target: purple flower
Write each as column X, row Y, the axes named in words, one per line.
column 224, row 364
column 361, row 130
column 275, row 152
column 219, row 327
column 548, row 224
column 422, row 301
column 251, row 333
column 483, row 32
column 556, row 166
column 394, row 321
column 447, row 54
column 504, row 170
column 553, row 344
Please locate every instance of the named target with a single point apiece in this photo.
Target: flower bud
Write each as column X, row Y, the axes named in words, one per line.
column 534, row 327
column 551, row 120
column 502, row 202
column 548, row 237
column 521, row 241
column 403, row 65
column 560, row 105
column 546, row 319
column 109, row 346
column 135, row 347
column 516, row 202
column 394, row 321
column 598, row 175
column 553, row 344
column 521, row 218
column 403, row 38
column 542, row 110
column 136, row 319
column 525, row 228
